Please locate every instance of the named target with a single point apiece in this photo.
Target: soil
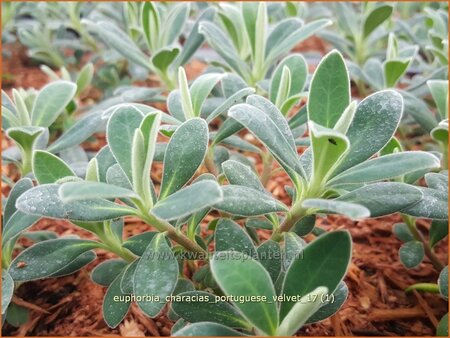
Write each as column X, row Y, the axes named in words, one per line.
column 377, row 304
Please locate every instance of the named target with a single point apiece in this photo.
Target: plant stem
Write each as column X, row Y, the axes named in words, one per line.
column 267, row 160
column 26, row 166
column 172, row 233
column 111, row 243
column 209, row 161
column 426, row 287
column 410, row 222
column 292, row 217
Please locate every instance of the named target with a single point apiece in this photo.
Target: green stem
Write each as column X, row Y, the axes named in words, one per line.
column 411, row 223
column 27, row 160
column 296, row 213
column 110, row 242
column 174, row 234
column 425, row 287
column 267, row 160
column 209, row 161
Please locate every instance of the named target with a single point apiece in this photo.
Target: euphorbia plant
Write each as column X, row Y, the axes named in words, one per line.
column 337, row 173
column 160, row 29
column 253, row 63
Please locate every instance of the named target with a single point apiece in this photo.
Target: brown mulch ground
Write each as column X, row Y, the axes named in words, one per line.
column 377, row 304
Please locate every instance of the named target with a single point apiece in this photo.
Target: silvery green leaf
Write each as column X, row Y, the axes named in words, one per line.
column 244, row 201
column 267, row 132
column 113, row 311
column 434, row 205
column 44, row 201
column 228, row 128
column 443, row 282
column 195, row 39
column 7, row 290
column 373, row 73
column 188, row 200
column 394, row 70
column 51, row 101
column 120, row 131
column 77, row 264
column 419, row 111
column 138, row 243
column 116, row 176
column 269, row 255
column 16, row 224
column 329, row 148
column 280, row 32
column 87, row 190
column 239, row 275
column 184, row 154
column 223, row 46
column 384, row 198
column 411, row 254
column 235, row 141
column 375, row 122
column 206, row 329
column 274, row 114
column 332, row 306
column 293, row 247
column 105, row 273
column 294, row 38
column 46, row 258
column 84, row 77
column 301, row 311
column 116, row 39
column 18, row 189
column 299, row 71
column 156, row 274
column 79, row 132
column 25, row 137
column 126, row 283
column 351, row 210
column 329, row 93
column 375, row 18
column 229, row 236
column 229, row 102
column 438, row 231
column 201, row 88
column 437, row 181
column 105, row 160
column 240, row 174
column 48, row 168
column 439, row 91
column 175, row 106
column 163, row 58
column 175, row 20
column 323, row 262
column 216, row 312
column 387, row 167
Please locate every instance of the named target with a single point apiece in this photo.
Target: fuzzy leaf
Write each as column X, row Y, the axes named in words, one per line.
column 184, row 154
column 188, row 200
column 209, row 310
column 387, row 167
column 105, row 273
column 351, row 210
column 376, row 18
column 375, row 122
column 240, row 174
column 156, row 274
column 384, row 198
column 51, row 101
column 7, row 290
column 113, row 311
column 239, row 275
column 434, row 205
column 48, row 168
column 244, row 201
column 44, row 201
column 324, row 262
column 206, row 329
column 229, row 236
column 411, row 254
column 46, row 258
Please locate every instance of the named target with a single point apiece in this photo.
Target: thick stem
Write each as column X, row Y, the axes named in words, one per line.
column 111, row 243
column 173, row 234
column 292, row 217
column 267, row 160
column 27, row 160
column 410, row 222
column 209, row 161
